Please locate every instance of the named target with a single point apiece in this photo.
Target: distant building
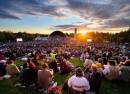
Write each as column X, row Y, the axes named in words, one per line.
column 39, row 38
column 75, row 33
column 19, row 39
column 57, row 34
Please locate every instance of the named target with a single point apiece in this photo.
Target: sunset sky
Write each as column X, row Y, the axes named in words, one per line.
column 46, row 16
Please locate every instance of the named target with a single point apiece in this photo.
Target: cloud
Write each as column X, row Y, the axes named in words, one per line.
column 107, row 12
column 103, row 13
column 6, row 15
column 78, row 25
column 118, row 23
column 14, row 9
column 91, row 9
column 64, row 27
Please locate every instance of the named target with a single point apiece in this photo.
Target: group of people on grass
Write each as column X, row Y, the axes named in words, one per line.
column 35, row 74
column 40, row 66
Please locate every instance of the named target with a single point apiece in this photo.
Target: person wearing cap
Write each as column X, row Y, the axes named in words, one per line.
column 78, row 84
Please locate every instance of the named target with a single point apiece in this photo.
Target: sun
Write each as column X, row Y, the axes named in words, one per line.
column 83, row 32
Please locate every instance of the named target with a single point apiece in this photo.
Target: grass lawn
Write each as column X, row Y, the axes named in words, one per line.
column 107, row 87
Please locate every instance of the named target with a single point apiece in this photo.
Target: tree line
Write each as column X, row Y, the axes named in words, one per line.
column 6, row 36
column 122, row 37
column 98, row 37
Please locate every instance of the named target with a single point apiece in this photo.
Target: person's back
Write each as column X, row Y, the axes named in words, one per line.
column 88, row 62
column 113, row 73
column 95, row 79
column 23, row 76
column 32, row 74
column 64, row 68
column 28, row 74
column 125, row 71
column 12, row 69
column 77, row 83
column 53, row 65
column 44, row 77
column 53, row 56
column 2, row 69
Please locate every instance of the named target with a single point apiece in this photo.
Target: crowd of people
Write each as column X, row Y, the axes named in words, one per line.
column 43, row 59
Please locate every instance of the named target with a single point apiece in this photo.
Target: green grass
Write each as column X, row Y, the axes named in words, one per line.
column 19, row 63
column 107, row 87
column 7, row 87
column 62, row 78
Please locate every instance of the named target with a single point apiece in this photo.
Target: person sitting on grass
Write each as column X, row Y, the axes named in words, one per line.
column 65, row 66
column 35, row 61
column 2, row 57
column 99, row 65
column 95, row 79
column 2, row 68
column 28, row 76
column 87, row 62
column 83, row 56
column 111, row 71
column 11, row 68
column 45, row 77
column 53, row 65
column 123, row 59
column 53, row 55
column 31, row 75
column 87, row 70
column 125, row 71
column 30, row 62
column 23, row 74
column 78, row 84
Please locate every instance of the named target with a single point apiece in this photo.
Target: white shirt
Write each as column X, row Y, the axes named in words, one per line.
column 106, row 70
column 87, row 61
column 78, row 83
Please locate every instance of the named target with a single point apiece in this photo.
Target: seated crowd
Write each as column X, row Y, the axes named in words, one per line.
column 86, row 80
